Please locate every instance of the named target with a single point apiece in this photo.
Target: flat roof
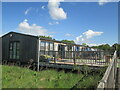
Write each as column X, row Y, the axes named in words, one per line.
column 45, row 39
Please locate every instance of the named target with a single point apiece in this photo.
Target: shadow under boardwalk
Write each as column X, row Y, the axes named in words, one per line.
column 118, row 79
column 70, row 66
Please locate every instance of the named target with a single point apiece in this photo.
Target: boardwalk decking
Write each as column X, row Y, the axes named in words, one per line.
column 79, row 62
column 118, row 79
column 88, row 64
column 70, row 65
column 118, row 76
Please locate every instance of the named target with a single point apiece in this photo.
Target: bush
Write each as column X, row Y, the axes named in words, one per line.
column 45, row 58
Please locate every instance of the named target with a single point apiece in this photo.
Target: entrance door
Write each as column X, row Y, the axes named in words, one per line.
column 14, row 50
column 61, row 50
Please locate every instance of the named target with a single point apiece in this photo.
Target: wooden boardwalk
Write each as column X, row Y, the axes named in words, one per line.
column 88, row 64
column 70, row 66
column 118, row 75
column 118, row 79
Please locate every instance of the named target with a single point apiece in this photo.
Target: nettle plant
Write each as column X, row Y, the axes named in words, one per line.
column 86, row 69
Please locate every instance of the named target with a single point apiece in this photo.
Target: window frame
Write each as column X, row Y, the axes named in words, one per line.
column 14, row 50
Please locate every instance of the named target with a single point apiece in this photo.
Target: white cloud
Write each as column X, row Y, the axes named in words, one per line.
column 43, row 7
column 27, row 10
column 25, row 20
column 51, row 35
column 53, row 23
column 68, row 35
column 92, row 44
column 86, row 36
column 55, row 11
column 33, row 29
column 102, row 2
column 90, row 33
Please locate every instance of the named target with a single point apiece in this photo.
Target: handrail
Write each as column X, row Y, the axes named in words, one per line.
column 108, row 80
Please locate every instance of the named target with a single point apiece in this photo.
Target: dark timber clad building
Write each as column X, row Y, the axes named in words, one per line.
column 19, row 47
column 22, row 47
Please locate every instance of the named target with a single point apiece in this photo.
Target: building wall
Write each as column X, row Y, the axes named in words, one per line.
column 28, row 46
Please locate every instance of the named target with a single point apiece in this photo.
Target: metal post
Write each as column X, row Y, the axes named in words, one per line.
column 74, row 54
column 54, row 60
column 38, row 54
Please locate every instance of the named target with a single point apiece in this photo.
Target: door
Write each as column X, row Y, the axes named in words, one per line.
column 61, row 50
column 14, row 50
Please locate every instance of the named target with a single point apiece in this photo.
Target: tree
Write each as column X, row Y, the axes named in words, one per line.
column 47, row 37
column 116, row 47
column 103, row 47
column 68, row 41
column 84, row 44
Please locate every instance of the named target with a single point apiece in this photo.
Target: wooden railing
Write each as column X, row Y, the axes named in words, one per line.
column 108, row 80
column 79, row 57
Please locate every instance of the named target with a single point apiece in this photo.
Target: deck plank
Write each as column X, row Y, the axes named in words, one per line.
column 118, row 79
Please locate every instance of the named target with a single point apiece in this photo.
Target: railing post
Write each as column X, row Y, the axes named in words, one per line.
column 54, row 58
column 108, row 80
column 101, row 85
column 74, row 56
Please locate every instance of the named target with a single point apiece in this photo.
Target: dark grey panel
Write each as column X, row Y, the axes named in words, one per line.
column 28, row 46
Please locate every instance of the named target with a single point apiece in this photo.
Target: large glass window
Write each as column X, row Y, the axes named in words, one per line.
column 77, row 48
column 51, row 46
column 47, row 46
column 70, row 48
column 42, row 46
column 14, row 50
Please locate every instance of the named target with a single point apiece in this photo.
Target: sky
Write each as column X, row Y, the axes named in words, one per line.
column 93, row 23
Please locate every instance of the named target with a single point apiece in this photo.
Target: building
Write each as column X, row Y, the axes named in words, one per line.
column 23, row 48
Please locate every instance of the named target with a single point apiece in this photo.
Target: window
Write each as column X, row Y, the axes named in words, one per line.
column 70, row 48
column 42, row 46
column 77, row 48
column 14, row 50
column 51, row 46
column 47, row 46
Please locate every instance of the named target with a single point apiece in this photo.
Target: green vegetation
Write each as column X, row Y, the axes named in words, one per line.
column 89, row 82
column 17, row 77
column 47, row 37
column 108, row 47
column 103, row 47
column 68, row 41
column 84, row 44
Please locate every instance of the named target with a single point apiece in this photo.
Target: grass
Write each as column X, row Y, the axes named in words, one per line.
column 16, row 77
column 89, row 82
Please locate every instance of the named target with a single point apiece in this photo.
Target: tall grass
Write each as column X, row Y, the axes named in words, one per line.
column 16, row 77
